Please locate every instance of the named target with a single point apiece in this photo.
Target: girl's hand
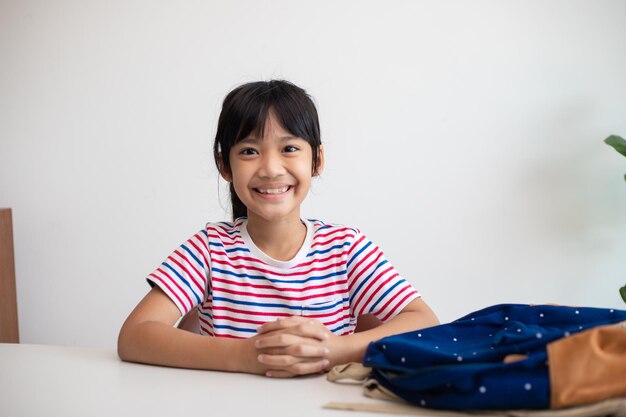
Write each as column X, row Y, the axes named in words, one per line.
column 296, row 346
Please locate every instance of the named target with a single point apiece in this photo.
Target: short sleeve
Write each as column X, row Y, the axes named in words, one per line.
column 375, row 286
column 184, row 275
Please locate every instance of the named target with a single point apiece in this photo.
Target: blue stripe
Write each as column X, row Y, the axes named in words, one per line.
column 202, row 313
column 336, row 329
column 237, row 249
column 282, row 281
column 356, row 255
column 297, row 307
column 193, row 256
column 242, row 249
column 226, row 225
column 234, row 229
column 382, row 297
column 238, row 329
column 319, row 252
column 356, row 291
column 183, row 280
column 250, row 303
column 325, row 307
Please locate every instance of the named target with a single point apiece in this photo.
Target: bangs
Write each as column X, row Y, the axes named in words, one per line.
column 245, row 111
column 288, row 112
column 252, row 121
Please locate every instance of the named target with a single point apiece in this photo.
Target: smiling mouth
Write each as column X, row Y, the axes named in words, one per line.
column 273, row 191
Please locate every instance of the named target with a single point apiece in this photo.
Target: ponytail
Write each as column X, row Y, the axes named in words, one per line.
column 239, row 209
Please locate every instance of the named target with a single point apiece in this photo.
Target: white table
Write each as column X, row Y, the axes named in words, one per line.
column 48, row 381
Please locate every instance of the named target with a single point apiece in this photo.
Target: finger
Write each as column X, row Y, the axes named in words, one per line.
column 308, row 329
column 284, row 339
column 277, row 340
column 301, row 368
column 275, row 373
column 306, row 368
column 308, row 351
column 281, row 324
column 278, row 361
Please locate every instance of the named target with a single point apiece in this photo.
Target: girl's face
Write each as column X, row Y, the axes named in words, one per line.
column 272, row 174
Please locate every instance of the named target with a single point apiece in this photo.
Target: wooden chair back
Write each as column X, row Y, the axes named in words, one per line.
column 9, row 332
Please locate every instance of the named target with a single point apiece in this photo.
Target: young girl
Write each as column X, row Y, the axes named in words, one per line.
column 276, row 294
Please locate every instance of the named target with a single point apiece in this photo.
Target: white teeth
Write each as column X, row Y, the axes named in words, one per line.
column 273, row 190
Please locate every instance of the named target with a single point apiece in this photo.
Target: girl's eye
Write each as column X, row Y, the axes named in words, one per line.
column 290, row 148
column 247, row 151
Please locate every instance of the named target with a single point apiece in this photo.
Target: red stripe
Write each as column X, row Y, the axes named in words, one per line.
column 202, row 238
column 226, row 335
column 277, row 296
column 279, row 274
column 214, row 252
column 191, row 262
column 208, row 332
column 366, row 290
column 352, row 281
column 181, row 266
column 238, row 320
column 232, row 240
column 381, row 309
column 355, row 244
column 335, row 230
column 393, row 310
column 326, row 242
column 375, row 292
column 343, row 282
column 315, row 260
column 171, row 292
column 202, row 320
column 254, row 313
column 219, row 233
column 330, row 323
column 332, row 313
column 398, row 304
column 171, row 280
column 201, row 252
column 230, row 228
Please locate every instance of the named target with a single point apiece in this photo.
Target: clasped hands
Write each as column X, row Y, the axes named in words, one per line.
column 295, row 346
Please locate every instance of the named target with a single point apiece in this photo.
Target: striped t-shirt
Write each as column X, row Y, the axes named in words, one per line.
column 337, row 275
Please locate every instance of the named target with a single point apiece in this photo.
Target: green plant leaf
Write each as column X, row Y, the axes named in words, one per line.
column 617, row 142
column 622, row 292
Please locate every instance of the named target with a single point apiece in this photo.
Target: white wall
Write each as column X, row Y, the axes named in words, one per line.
column 465, row 138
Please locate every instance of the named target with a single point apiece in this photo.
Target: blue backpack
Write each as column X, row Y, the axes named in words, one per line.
column 461, row 365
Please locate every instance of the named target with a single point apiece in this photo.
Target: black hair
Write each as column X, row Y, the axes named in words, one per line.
column 245, row 110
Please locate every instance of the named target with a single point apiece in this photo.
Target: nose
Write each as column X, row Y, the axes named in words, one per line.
column 271, row 165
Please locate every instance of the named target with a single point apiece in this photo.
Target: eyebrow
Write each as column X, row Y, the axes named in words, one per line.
column 253, row 140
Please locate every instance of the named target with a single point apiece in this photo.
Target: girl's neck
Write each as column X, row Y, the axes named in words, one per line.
column 280, row 240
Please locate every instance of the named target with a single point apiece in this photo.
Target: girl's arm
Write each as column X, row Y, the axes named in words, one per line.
column 148, row 336
column 341, row 349
column 416, row 315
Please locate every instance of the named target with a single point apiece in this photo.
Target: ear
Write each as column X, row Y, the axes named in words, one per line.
column 320, row 162
column 225, row 173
